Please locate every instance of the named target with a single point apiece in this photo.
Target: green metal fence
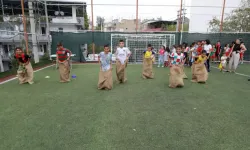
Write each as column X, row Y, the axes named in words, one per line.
column 74, row 41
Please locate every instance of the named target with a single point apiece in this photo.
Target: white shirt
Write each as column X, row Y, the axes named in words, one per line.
column 122, row 54
column 173, row 50
column 166, row 56
column 207, row 47
column 223, row 60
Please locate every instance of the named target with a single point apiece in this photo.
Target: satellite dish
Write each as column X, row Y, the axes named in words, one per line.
column 56, row 13
column 62, row 13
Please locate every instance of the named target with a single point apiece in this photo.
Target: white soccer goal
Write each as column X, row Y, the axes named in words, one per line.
column 137, row 43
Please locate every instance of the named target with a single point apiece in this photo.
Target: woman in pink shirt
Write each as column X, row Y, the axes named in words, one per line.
column 161, row 57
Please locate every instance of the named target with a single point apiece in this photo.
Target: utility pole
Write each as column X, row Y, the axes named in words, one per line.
column 25, row 28
column 179, row 25
column 137, row 7
column 47, row 29
column 222, row 16
column 92, row 24
column 2, row 9
column 33, row 32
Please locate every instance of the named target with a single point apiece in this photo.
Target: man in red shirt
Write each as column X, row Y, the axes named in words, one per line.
column 62, row 58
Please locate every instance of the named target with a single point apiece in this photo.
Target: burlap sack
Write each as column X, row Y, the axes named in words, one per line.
column 183, row 73
column 121, row 71
column 105, row 80
column 176, row 77
column 147, row 68
column 25, row 74
column 64, row 70
column 199, row 73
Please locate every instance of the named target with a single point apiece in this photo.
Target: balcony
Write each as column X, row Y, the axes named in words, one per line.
column 14, row 36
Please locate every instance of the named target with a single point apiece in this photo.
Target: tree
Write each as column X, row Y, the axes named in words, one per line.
column 86, row 21
column 99, row 22
column 173, row 27
column 237, row 21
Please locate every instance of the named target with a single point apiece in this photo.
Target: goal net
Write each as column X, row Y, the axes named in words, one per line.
column 137, row 43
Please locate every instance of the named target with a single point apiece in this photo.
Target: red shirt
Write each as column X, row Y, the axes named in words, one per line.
column 199, row 50
column 62, row 54
column 218, row 48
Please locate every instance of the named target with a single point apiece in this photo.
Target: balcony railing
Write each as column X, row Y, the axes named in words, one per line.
column 7, row 36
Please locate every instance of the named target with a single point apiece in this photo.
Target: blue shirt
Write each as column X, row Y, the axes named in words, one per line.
column 105, row 60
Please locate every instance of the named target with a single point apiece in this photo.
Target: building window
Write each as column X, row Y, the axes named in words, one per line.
column 43, row 30
column 60, row 29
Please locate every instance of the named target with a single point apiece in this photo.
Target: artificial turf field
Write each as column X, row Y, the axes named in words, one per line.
column 138, row 115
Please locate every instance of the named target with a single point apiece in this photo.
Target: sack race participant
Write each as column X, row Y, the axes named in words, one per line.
column 199, row 70
column 122, row 56
column 25, row 70
column 223, row 62
column 105, row 75
column 63, row 58
column 148, row 60
column 176, row 70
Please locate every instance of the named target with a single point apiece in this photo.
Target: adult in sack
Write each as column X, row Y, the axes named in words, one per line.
column 25, row 70
column 176, row 70
column 122, row 55
column 148, row 60
column 199, row 70
column 105, row 81
column 63, row 58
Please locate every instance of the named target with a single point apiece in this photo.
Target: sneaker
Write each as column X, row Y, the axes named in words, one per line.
column 158, row 66
column 162, row 66
column 31, row 83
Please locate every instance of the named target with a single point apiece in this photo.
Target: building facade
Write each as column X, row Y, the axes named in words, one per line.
column 64, row 16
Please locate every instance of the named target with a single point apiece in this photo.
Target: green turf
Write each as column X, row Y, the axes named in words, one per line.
column 139, row 115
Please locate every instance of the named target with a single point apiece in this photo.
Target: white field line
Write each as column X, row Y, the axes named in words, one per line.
column 235, row 73
column 14, row 78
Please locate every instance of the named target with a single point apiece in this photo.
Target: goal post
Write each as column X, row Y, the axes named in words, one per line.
column 137, row 43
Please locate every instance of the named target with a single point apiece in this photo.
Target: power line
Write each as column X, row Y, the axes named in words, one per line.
column 163, row 5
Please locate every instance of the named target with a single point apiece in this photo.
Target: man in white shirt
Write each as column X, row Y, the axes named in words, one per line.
column 208, row 48
column 122, row 55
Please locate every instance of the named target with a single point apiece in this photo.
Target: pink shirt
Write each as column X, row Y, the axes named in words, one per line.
column 161, row 51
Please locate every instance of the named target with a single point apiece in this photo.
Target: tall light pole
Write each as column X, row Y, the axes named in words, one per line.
column 222, row 16
column 24, row 28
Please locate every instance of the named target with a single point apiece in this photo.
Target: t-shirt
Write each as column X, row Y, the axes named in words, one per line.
column 186, row 49
column 207, row 47
column 105, row 60
column 173, row 50
column 166, row 56
column 194, row 53
column 148, row 54
column 22, row 58
column 122, row 54
column 199, row 50
column 201, row 59
column 177, row 58
column 223, row 59
column 62, row 54
column 161, row 51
